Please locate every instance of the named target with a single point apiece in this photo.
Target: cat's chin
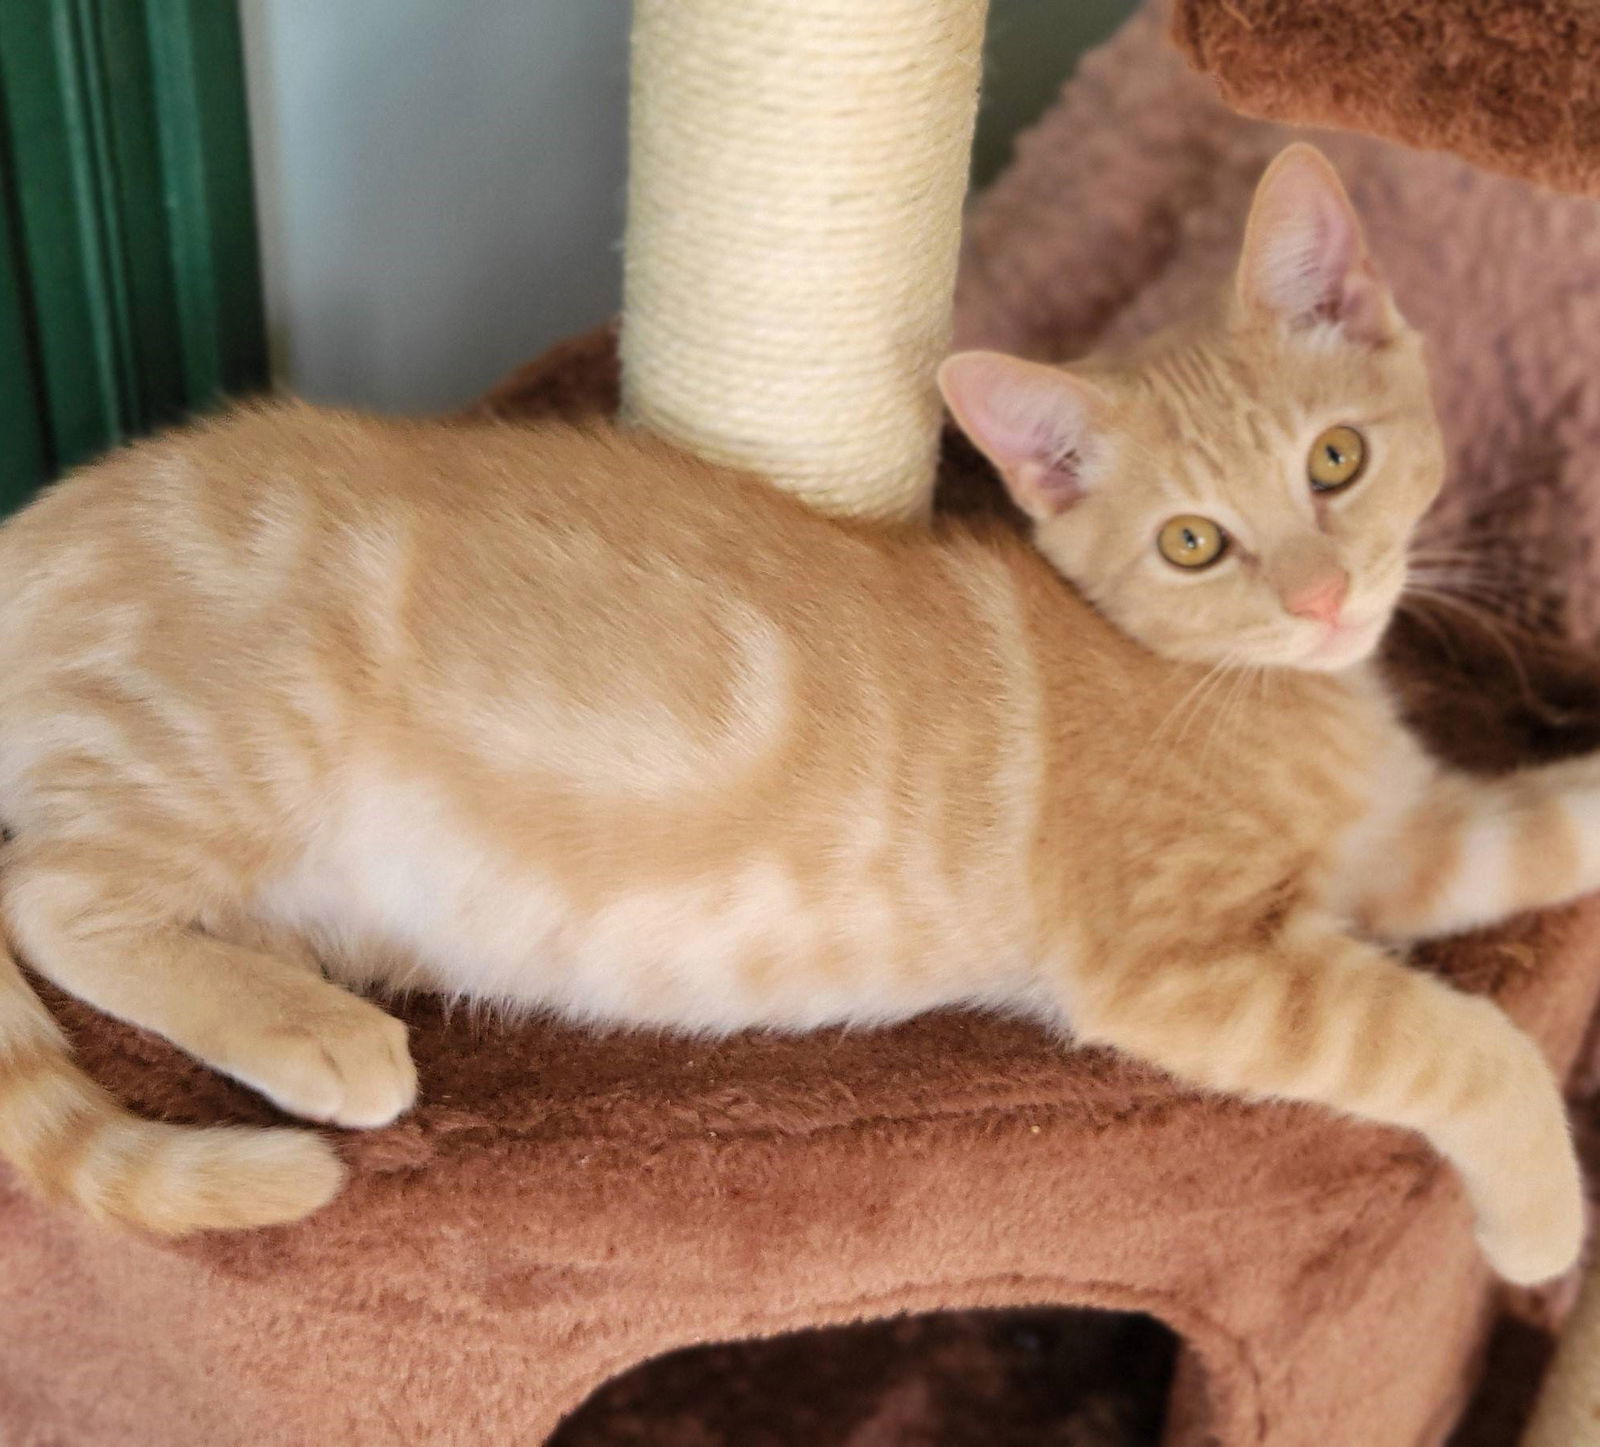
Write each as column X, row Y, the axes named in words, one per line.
column 1334, row 650
column 1343, row 647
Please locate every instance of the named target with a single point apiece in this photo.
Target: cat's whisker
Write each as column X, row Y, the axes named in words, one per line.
column 1228, row 709
column 1509, row 562
column 1421, row 547
column 1487, row 603
column 1189, row 704
column 1475, row 562
column 1421, row 615
column 1487, row 624
column 1468, row 574
column 1518, row 584
column 1217, row 678
column 1492, row 596
column 1229, row 676
column 1509, row 591
column 1491, row 601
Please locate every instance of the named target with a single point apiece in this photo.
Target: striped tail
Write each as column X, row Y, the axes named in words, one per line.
column 71, row 1142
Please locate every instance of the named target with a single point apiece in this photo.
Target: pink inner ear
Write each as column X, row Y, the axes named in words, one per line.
column 1304, row 261
column 1029, row 420
column 1054, row 486
column 1304, row 254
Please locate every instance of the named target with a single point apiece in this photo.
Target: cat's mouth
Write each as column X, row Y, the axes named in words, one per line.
column 1345, row 643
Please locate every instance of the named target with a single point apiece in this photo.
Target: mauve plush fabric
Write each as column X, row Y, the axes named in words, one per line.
column 563, row 1205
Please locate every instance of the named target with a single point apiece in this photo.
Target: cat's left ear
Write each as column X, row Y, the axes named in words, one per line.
column 1305, row 259
column 1037, row 424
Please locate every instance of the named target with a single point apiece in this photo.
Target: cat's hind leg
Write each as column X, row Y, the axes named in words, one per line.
column 105, row 922
column 1317, row 1016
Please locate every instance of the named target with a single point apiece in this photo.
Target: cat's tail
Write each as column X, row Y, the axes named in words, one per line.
column 70, row 1141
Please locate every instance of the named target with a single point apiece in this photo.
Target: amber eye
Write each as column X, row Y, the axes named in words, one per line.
column 1191, row 542
column 1336, row 459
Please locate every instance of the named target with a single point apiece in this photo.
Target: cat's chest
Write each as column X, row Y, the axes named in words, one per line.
column 1395, row 778
column 1317, row 787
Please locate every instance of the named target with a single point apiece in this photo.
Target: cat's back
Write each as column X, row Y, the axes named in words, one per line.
column 595, row 559
column 247, row 502
column 249, row 483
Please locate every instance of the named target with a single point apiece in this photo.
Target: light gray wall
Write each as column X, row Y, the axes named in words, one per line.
column 440, row 184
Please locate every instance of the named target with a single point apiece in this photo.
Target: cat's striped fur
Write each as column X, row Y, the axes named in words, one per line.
column 296, row 700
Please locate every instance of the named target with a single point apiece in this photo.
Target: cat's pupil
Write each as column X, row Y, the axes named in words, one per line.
column 1334, row 455
column 1189, row 539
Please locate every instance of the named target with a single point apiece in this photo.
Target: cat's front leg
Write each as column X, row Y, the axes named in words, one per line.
column 1473, row 851
column 1318, row 1016
column 88, row 919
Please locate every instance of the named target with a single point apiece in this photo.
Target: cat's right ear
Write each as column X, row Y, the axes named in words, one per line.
column 1035, row 423
column 1304, row 258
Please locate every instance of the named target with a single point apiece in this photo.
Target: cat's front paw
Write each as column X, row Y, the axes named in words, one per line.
column 346, row 1064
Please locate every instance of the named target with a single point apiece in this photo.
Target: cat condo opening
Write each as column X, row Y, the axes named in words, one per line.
column 961, row 1379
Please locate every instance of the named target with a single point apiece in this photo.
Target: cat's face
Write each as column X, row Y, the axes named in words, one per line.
column 1241, row 490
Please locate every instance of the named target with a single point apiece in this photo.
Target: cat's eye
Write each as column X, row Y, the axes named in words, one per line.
column 1337, row 457
column 1191, row 542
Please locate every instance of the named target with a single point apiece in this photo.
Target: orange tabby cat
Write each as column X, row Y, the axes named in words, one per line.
column 297, row 700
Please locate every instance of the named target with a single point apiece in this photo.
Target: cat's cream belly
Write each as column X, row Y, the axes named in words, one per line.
column 396, row 891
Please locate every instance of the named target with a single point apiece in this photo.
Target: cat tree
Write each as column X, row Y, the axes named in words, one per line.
column 561, row 1206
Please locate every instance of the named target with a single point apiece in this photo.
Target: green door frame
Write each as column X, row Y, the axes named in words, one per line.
column 130, row 286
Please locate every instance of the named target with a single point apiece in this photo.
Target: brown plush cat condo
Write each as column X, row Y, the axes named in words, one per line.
column 560, row 1207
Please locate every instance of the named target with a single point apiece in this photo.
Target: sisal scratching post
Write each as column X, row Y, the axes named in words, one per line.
column 796, row 174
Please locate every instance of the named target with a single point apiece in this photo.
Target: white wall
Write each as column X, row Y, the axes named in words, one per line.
column 441, row 181
column 440, row 187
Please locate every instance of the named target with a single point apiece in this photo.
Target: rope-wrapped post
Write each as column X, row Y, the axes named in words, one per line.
column 796, row 175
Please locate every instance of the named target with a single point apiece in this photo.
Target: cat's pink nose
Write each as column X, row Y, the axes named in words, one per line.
column 1320, row 601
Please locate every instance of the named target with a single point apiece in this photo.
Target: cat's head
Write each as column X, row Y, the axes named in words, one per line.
column 1243, row 488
